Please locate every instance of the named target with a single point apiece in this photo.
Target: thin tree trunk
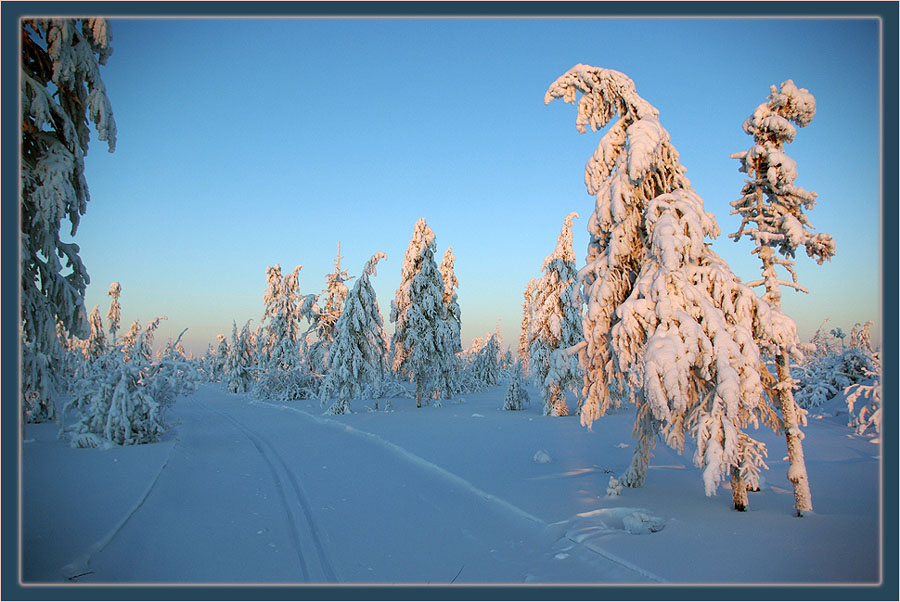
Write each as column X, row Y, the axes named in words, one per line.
column 797, row 469
column 418, row 392
column 738, row 490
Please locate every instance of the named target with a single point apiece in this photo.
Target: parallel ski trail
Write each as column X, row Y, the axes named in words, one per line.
column 284, row 478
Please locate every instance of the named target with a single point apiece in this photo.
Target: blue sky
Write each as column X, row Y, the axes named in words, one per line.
column 248, row 142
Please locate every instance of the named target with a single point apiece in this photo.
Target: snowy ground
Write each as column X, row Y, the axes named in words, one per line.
column 247, row 491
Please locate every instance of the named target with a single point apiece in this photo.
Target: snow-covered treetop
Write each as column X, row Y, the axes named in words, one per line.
column 114, row 313
column 369, row 268
column 771, row 121
column 564, row 249
column 423, row 237
column 604, row 94
column 772, row 205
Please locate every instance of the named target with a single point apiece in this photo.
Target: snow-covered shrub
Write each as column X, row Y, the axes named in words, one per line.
column 174, row 374
column 867, row 414
column 831, row 369
column 122, row 400
column 121, row 411
column 614, row 488
column 516, row 395
column 541, row 457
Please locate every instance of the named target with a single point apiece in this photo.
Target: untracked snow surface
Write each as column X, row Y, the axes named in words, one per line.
column 249, row 491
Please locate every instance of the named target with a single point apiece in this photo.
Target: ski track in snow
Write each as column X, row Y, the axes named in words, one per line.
column 79, row 566
column 409, row 456
column 283, row 477
column 457, row 480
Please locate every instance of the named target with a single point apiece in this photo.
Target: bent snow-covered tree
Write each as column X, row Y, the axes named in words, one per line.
column 418, row 311
column 359, row 351
column 667, row 326
column 771, row 209
column 556, row 321
column 61, row 94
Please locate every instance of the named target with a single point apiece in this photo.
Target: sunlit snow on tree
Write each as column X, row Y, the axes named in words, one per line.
column 358, row 352
column 771, row 211
column 668, row 326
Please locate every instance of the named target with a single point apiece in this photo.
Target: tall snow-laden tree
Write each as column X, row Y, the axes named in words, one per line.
column 418, row 311
column 239, row 366
column 61, row 95
column 280, row 319
column 96, row 343
column 486, row 365
column 525, row 335
column 115, row 310
column 324, row 316
column 772, row 216
column 358, row 353
column 556, row 321
column 448, row 377
column 668, row 326
column 282, row 375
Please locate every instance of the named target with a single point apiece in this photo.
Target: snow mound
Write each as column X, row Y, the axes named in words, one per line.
column 542, row 457
column 598, row 523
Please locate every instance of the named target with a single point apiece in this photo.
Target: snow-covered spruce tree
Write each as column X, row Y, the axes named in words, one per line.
column 417, row 312
column 96, row 342
column 323, row 317
column 447, row 383
column 129, row 341
column 668, row 326
column 771, row 209
column 516, row 395
column 61, row 94
column 556, row 322
column 525, row 334
column 485, row 367
column 221, row 357
column 240, row 363
column 114, row 314
column 282, row 375
column 358, row 353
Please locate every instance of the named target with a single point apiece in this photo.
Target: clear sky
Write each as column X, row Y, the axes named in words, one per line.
column 248, row 142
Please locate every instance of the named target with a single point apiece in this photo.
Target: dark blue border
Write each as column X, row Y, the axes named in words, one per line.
column 12, row 11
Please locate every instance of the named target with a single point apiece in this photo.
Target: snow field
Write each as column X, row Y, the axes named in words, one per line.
column 251, row 491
